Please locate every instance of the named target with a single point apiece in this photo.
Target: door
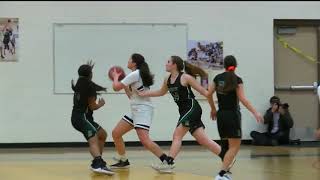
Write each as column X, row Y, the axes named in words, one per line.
column 296, row 77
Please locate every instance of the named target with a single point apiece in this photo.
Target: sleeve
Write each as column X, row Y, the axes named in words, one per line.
column 131, row 78
column 239, row 79
column 92, row 91
column 215, row 81
column 268, row 116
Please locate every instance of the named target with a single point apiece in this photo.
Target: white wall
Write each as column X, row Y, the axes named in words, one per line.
column 30, row 112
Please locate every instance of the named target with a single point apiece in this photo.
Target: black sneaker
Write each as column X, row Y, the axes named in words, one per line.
column 99, row 166
column 121, row 165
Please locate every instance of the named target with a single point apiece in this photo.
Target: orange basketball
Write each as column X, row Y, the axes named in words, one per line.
column 119, row 70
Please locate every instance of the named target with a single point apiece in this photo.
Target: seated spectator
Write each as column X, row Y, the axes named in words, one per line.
column 279, row 122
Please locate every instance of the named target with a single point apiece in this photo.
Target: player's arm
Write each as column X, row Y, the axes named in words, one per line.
column 194, row 84
column 93, row 105
column 160, row 92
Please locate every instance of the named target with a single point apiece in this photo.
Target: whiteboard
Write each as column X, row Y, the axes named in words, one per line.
column 112, row 44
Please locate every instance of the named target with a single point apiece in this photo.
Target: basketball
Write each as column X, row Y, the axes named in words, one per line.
column 119, row 70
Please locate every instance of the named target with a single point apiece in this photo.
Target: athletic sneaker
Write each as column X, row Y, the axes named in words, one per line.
column 163, row 167
column 103, row 170
column 121, row 164
column 224, row 177
column 100, row 166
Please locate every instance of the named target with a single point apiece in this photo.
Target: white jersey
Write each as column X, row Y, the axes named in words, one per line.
column 134, row 81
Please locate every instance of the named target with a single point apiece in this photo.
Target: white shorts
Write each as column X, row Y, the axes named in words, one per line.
column 140, row 117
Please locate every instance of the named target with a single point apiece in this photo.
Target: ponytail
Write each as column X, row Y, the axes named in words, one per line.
column 145, row 74
column 231, row 79
column 195, row 70
column 188, row 68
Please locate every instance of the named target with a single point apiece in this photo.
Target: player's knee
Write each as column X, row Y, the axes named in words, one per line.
column 116, row 134
column 202, row 141
column 144, row 138
column 102, row 135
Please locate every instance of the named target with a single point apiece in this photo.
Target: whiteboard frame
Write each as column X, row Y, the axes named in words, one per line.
column 124, row 23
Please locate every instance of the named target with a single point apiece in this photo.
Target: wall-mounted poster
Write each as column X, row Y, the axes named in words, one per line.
column 208, row 55
column 205, row 54
column 9, row 39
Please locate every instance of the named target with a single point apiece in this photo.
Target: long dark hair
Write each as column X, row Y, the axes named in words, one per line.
column 231, row 81
column 188, row 68
column 146, row 76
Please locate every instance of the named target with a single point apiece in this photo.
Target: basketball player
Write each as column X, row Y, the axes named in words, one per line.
column 229, row 89
column 84, row 100
column 139, row 80
column 179, row 85
column 101, row 133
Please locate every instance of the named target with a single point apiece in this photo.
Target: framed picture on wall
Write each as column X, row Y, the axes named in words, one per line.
column 9, row 39
column 207, row 55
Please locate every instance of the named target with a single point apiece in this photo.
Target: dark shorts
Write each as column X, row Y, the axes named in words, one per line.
column 229, row 124
column 191, row 117
column 91, row 120
column 82, row 124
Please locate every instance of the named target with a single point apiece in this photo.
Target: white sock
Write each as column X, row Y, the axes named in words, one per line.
column 122, row 157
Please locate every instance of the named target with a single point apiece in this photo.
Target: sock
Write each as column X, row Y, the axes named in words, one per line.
column 163, row 157
column 170, row 160
column 122, row 157
column 222, row 172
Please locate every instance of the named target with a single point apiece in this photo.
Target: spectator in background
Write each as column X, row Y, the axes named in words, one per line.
column 279, row 122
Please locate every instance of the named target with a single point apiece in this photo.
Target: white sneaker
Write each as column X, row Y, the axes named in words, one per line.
column 224, row 177
column 163, row 167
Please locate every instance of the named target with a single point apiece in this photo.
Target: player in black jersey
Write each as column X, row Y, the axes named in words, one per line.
column 229, row 88
column 84, row 103
column 179, row 85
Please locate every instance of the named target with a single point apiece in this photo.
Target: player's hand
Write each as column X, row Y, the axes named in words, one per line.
column 258, row 117
column 213, row 115
column 115, row 74
column 101, row 102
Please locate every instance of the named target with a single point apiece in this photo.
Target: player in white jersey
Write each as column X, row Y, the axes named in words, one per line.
column 140, row 118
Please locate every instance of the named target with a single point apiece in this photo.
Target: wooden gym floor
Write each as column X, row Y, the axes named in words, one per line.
column 194, row 162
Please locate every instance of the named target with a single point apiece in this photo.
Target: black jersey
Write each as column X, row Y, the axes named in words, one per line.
column 226, row 100
column 182, row 95
column 83, row 89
